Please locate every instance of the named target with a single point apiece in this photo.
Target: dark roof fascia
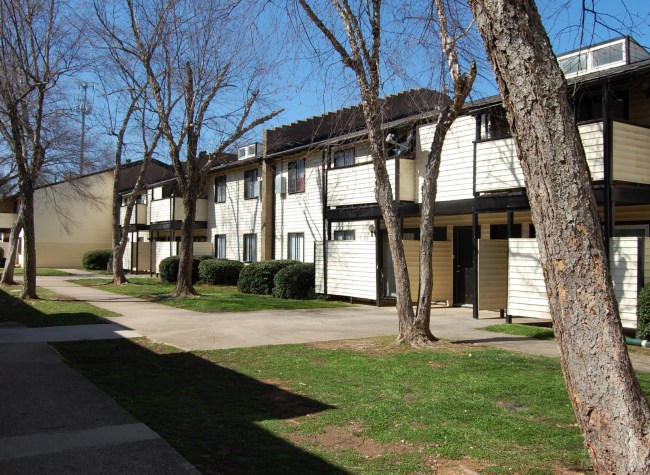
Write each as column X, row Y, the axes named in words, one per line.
column 353, row 135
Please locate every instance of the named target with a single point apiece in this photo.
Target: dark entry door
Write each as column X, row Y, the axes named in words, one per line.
column 464, row 287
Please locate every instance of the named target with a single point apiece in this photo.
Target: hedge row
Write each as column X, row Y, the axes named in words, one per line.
column 96, row 259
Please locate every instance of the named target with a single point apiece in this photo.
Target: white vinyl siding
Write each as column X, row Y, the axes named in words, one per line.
column 455, row 181
column 351, row 269
column 171, row 209
column 355, row 185
column 300, row 212
column 234, row 217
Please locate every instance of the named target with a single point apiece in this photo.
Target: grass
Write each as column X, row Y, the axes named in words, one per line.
column 540, row 333
column 347, row 407
column 51, row 310
column 43, row 272
column 212, row 298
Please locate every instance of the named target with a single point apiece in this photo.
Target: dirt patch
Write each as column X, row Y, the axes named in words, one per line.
column 512, row 406
column 465, row 466
column 339, row 438
column 385, row 346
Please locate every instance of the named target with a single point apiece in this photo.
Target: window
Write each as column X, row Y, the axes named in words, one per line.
column 296, row 246
column 220, row 189
column 346, row 235
column 344, row 158
column 167, row 191
column 250, row 247
column 573, row 64
column 220, row 246
column 251, row 187
column 494, row 126
column 297, row 176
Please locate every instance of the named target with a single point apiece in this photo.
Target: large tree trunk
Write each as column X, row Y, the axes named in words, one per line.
column 10, row 263
column 184, row 286
column 611, row 410
column 29, row 266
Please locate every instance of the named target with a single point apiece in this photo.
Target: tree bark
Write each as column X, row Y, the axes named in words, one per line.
column 610, row 407
column 29, row 264
column 10, row 263
column 184, row 285
column 120, row 236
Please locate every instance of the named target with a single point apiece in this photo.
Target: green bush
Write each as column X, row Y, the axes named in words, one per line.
column 643, row 313
column 295, row 282
column 168, row 269
column 220, row 271
column 204, row 257
column 257, row 278
column 96, row 259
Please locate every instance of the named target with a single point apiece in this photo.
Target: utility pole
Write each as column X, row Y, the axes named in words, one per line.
column 85, row 108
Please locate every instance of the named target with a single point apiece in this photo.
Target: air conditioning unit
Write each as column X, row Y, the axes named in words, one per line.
column 280, row 185
column 249, row 151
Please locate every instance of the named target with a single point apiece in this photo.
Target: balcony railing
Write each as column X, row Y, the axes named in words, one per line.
column 138, row 216
column 498, row 168
column 355, row 185
column 171, row 209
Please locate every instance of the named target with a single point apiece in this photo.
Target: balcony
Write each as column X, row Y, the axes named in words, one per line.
column 355, row 185
column 7, row 220
column 138, row 216
column 498, row 169
column 171, row 209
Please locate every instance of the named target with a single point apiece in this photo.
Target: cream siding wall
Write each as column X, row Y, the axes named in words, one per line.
column 69, row 223
column 7, row 220
column 138, row 215
column 455, row 181
column 351, row 269
column 492, row 274
column 300, row 212
column 498, row 168
column 407, row 191
column 442, row 268
column 143, row 250
column 527, row 291
column 631, row 153
column 172, row 209
column 236, row 216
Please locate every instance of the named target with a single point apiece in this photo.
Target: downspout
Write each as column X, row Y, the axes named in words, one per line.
column 377, row 263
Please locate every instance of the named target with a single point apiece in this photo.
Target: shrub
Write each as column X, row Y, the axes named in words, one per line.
column 643, row 313
column 2, row 252
column 295, row 282
column 257, row 278
column 204, row 257
column 220, row 271
column 96, row 259
column 168, row 269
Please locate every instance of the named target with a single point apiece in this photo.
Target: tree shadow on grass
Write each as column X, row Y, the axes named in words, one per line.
column 208, row 413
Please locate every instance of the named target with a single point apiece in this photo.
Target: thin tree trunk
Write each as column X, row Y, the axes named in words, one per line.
column 184, row 285
column 10, row 263
column 120, row 235
column 610, row 407
column 29, row 264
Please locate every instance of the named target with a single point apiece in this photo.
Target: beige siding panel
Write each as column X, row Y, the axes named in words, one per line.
column 68, row 222
column 442, row 268
column 631, row 153
column 351, row 269
column 355, row 185
column 455, row 181
column 7, row 220
column 144, row 256
column 138, row 215
column 633, row 213
column 407, row 191
column 202, row 249
column 300, row 212
column 234, row 217
column 646, row 261
column 492, row 274
column 161, row 210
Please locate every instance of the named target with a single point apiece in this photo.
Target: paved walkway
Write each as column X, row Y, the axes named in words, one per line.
column 52, row 420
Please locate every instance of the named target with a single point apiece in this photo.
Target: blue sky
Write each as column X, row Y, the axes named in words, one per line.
column 313, row 91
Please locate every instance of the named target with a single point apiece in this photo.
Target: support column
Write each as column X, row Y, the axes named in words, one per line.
column 476, row 231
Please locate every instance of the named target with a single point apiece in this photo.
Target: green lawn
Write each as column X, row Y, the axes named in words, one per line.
column 43, row 271
column 51, row 310
column 532, row 331
column 347, row 407
column 212, row 299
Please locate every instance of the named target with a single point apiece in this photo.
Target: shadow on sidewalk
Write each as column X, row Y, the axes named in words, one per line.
column 208, row 413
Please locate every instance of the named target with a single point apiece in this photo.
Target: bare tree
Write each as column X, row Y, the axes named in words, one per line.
column 36, row 50
column 361, row 54
column 610, row 407
column 193, row 64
